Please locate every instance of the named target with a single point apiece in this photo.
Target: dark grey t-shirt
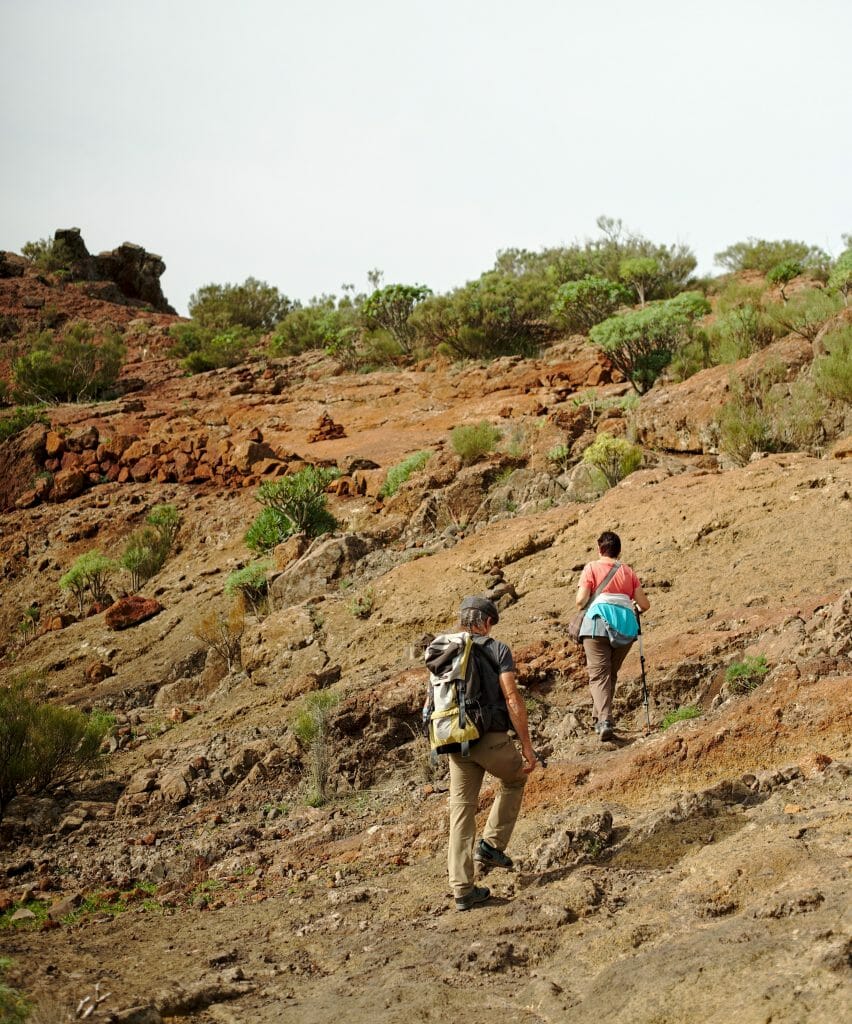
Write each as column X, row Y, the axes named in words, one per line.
column 500, row 653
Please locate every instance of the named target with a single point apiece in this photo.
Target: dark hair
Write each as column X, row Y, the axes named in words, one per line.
column 609, row 543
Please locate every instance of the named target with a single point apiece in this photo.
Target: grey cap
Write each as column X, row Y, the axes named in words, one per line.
column 481, row 604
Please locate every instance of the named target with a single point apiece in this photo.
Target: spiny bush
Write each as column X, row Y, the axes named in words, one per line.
column 221, row 630
column 292, row 504
column 67, row 367
column 614, row 457
column 310, row 727
column 42, row 745
column 250, row 585
column 89, row 574
column 474, row 441
column 398, row 474
column 324, row 323
column 746, row 675
column 744, row 422
column 253, row 304
column 19, row 419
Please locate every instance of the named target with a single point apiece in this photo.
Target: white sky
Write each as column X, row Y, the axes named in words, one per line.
column 306, row 141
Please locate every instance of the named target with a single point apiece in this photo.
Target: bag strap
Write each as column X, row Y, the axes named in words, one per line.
column 602, row 584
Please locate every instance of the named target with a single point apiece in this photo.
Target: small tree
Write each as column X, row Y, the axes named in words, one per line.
column 390, row 309
column 292, row 504
column 640, row 273
column 761, row 254
column 42, row 745
column 641, row 343
column 783, row 273
column 90, row 572
column 614, row 457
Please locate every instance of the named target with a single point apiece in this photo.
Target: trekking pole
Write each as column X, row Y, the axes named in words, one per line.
column 645, row 699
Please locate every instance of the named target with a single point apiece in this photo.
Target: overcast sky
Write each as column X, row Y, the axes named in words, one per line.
column 305, row 142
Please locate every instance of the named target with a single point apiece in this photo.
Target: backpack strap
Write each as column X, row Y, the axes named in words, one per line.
column 616, row 566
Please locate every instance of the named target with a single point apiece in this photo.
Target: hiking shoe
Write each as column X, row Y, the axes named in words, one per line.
column 605, row 730
column 489, row 856
column 478, row 894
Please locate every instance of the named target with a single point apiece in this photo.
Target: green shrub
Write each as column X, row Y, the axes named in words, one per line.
column 580, row 305
column 251, row 585
column 681, row 715
column 43, row 746
column 805, row 312
column 310, row 727
column 760, row 254
column 362, row 605
column 560, row 456
column 147, row 549
column 324, row 323
column 474, row 441
column 840, row 278
column 292, row 504
column 48, row 254
column 14, row 1007
column 833, row 372
column 253, row 304
column 19, row 419
column 69, row 367
column 744, row 421
column 614, row 457
column 390, row 309
column 642, row 343
column 227, row 348
column 398, row 474
column 746, row 675
column 89, row 573
column 739, row 332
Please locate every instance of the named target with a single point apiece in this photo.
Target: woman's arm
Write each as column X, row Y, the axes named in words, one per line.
column 639, row 597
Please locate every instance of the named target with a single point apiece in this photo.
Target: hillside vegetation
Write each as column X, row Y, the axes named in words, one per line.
column 225, row 539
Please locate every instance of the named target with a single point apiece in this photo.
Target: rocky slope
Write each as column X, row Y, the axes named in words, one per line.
column 693, row 874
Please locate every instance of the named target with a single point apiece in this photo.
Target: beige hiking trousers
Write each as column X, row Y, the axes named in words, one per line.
column 496, row 754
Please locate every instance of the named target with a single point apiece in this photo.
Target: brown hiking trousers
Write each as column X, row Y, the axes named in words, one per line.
column 496, row 754
column 603, row 663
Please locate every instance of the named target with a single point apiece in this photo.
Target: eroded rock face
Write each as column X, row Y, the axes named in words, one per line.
column 135, row 272
column 326, row 560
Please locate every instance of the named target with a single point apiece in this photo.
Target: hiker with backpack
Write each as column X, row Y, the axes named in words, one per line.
column 482, row 676
column 610, row 599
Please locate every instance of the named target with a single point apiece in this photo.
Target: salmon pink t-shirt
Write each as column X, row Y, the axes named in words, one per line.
column 625, row 581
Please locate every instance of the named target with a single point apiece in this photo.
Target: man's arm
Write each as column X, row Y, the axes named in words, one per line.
column 518, row 715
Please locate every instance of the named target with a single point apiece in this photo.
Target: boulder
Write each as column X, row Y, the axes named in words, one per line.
column 68, row 483
column 130, row 611
column 325, row 560
column 21, row 458
column 12, row 265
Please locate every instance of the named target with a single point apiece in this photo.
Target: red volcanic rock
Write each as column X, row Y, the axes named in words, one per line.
column 97, row 671
column 57, row 622
column 144, row 469
column 130, row 611
column 68, row 483
column 53, row 444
